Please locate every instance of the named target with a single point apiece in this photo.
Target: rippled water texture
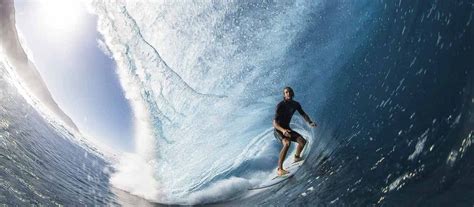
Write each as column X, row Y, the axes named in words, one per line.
column 390, row 84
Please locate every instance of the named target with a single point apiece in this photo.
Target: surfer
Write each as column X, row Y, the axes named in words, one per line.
column 282, row 131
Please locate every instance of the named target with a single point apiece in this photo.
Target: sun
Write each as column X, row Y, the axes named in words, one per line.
column 61, row 15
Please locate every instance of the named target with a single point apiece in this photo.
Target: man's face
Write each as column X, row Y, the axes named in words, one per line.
column 287, row 94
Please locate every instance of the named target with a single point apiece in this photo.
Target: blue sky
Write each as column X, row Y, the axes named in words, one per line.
column 62, row 37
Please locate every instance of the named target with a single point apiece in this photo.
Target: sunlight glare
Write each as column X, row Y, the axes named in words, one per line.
column 61, row 15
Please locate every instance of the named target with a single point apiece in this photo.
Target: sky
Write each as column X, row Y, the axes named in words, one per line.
column 61, row 36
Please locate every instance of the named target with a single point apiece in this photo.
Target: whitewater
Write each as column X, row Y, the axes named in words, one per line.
column 390, row 85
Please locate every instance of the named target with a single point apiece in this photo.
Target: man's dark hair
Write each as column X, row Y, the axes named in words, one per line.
column 292, row 94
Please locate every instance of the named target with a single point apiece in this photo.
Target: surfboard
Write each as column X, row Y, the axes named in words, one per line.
column 272, row 181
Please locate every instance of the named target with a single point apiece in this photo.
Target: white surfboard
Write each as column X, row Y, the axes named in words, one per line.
column 292, row 168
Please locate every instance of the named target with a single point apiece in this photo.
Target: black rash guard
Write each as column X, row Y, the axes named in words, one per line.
column 285, row 110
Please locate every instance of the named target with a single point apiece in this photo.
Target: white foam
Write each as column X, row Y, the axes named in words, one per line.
column 135, row 176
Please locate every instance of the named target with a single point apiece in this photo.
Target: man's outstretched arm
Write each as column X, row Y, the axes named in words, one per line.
column 306, row 117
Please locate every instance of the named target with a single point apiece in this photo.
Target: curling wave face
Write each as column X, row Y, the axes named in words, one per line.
column 207, row 76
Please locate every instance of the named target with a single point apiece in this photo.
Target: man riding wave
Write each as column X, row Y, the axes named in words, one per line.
column 282, row 131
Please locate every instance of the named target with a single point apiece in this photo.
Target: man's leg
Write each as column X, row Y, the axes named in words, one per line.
column 301, row 143
column 286, row 145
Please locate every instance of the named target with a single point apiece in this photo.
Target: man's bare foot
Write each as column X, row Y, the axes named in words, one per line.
column 297, row 158
column 282, row 172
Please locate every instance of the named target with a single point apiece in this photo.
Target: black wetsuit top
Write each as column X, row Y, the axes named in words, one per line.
column 285, row 110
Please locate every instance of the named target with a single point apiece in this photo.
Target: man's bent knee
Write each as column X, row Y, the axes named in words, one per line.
column 301, row 140
column 286, row 142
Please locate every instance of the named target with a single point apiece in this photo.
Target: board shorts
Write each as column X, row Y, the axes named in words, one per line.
column 280, row 136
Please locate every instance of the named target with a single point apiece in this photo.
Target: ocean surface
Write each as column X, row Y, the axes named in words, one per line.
column 390, row 84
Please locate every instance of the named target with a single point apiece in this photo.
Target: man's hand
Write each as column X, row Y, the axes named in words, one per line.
column 286, row 132
column 312, row 124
